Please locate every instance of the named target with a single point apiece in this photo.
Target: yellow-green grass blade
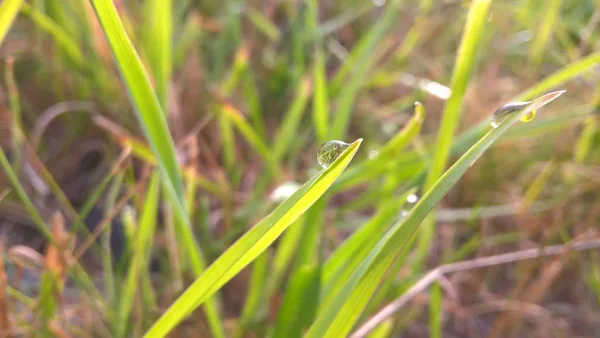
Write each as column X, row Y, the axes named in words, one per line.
column 375, row 227
column 255, row 298
column 8, row 12
column 301, row 297
column 263, row 24
column 340, row 315
column 548, row 22
column 252, row 137
column 288, row 245
column 559, row 77
column 370, row 169
column 291, row 120
column 353, row 251
column 465, row 62
column 158, row 45
column 140, row 255
column 364, row 48
column 229, row 84
column 320, row 97
column 435, row 311
column 252, row 244
column 154, row 125
column 464, row 65
column 145, row 102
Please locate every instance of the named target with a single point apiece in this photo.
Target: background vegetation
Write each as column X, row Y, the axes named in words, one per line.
column 159, row 168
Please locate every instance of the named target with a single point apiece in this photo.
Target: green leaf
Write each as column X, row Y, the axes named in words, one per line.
column 252, row 244
column 340, row 315
column 8, row 12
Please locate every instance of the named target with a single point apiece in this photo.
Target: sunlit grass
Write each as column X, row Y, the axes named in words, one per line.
column 203, row 110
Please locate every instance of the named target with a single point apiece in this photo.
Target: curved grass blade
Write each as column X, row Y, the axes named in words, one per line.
column 252, row 244
column 340, row 315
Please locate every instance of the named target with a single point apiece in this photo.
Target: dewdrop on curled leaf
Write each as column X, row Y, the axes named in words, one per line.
column 330, row 151
column 506, row 110
column 530, row 108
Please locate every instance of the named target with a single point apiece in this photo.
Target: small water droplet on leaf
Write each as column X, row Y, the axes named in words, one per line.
column 506, row 110
column 330, row 151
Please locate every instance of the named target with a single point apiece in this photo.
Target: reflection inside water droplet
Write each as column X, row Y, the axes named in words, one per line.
column 330, row 151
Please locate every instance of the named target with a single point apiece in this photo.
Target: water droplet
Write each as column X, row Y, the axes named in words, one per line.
column 412, row 198
column 529, row 116
column 503, row 112
column 378, row 3
column 403, row 214
column 330, row 151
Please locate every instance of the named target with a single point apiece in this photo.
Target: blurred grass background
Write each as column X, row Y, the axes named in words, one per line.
column 249, row 91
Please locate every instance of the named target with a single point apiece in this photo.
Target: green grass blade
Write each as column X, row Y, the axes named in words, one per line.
column 255, row 298
column 62, row 38
column 360, row 238
column 299, row 302
column 158, row 45
column 465, row 62
column 368, row 170
column 464, row 65
column 435, row 311
column 189, row 38
column 384, row 330
column 291, row 120
column 251, row 136
column 263, row 24
column 320, row 97
column 561, row 76
column 548, row 21
column 229, row 84
column 8, row 12
column 145, row 102
column 303, row 290
column 154, row 125
column 252, row 244
column 340, row 315
column 288, row 245
column 252, row 96
column 364, row 48
column 141, row 251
